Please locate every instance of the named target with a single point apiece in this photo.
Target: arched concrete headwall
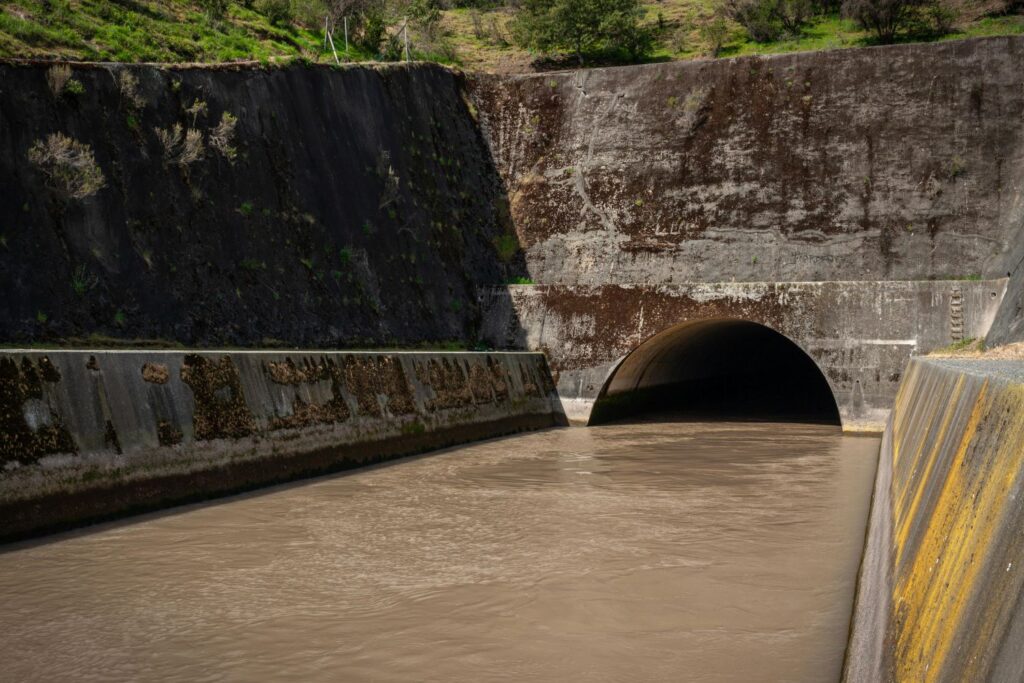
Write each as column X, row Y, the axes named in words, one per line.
column 861, row 334
column 850, row 199
column 724, row 367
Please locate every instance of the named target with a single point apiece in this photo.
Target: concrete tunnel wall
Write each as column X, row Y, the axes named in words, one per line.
column 718, row 368
column 86, row 435
column 941, row 590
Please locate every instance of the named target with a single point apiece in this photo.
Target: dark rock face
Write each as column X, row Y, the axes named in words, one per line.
column 360, row 208
column 893, row 163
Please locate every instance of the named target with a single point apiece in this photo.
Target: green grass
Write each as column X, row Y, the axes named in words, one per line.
column 681, row 36
column 149, row 31
column 179, row 31
column 833, row 32
column 971, row 344
column 828, row 33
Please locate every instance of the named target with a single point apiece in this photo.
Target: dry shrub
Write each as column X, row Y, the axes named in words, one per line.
column 197, row 109
column 714, row 33
column 769, row 20
column 128, row 83
column 887, row 19
column 68, row 164
column 223, row 135
column 181, row 147
column 478, row 24
column 57, row 76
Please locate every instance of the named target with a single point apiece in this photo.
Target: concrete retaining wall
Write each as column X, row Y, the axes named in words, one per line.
column 86, row 435
column 898, row 162
column 941, row 594
column 360, row 209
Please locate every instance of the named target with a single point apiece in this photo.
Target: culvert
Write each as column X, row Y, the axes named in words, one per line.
column 721, row 369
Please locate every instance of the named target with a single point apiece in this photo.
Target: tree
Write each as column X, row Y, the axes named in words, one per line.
column 215, row 9
column 714, row 33
column 886, row 18
column 367, row 21
column 277, row 12
column 768, row 20
column 583, row 27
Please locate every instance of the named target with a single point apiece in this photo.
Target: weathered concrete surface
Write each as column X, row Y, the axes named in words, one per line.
column 884, row 163
column 360, row 209
column 86, row 435
column 1008, row 326
column 943, row 597
column 861, row 334
column 867, row 658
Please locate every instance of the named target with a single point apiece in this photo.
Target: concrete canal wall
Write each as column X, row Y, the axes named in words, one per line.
column 941, row 594
column 87, row 435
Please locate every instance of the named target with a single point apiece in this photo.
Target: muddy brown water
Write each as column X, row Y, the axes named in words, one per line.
column 654, row 552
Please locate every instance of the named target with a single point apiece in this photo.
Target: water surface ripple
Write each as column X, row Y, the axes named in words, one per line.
column 654, row 552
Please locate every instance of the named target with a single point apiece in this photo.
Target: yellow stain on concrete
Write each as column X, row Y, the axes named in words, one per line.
column 938, row 585
column 909, row 513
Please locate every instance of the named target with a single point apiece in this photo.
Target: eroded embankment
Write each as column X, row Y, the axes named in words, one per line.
column 942, row 582
column 87, row 435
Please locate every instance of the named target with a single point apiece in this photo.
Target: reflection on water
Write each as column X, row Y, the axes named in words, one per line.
column 698, row 552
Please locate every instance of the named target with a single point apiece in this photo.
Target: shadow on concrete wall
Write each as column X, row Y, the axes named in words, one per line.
column 718, row 369
column 355, row 208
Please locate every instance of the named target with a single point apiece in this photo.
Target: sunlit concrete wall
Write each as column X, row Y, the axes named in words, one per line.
column 941, row 594
column 85, row 435
column 889, row 163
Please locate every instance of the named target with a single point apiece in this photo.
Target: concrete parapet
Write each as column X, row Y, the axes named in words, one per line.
column 86, row 435
column 942, row 585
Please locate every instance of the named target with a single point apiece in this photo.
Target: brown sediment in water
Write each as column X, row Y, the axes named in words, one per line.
column 654, row 551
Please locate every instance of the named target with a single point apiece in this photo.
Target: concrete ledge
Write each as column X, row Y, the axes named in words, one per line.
column 941, row 594
column 92, row 435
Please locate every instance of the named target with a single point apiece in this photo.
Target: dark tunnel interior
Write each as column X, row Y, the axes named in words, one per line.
column 717, row 369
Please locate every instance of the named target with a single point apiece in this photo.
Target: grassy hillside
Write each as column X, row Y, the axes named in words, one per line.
column 483, row 39
column 149, row 31
column 181, row 31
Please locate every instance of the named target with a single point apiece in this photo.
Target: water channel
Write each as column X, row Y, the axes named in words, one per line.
column 653, row 551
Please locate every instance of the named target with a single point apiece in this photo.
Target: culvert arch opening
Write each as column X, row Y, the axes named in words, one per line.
column 718, row 369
